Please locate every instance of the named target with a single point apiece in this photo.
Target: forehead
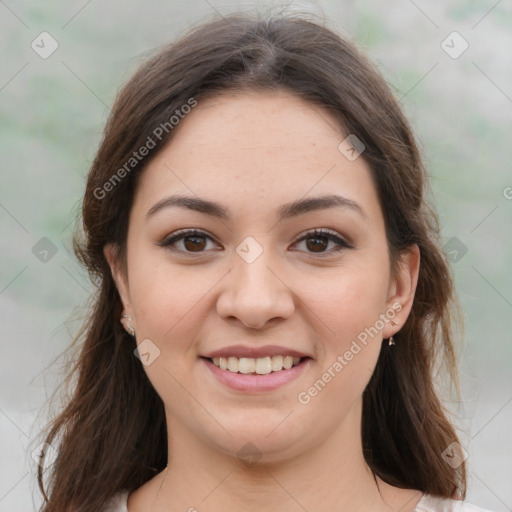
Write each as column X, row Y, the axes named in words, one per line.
column 255, row 149
column 274, row 123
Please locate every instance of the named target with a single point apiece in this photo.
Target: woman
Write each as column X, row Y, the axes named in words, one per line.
column 272, row 296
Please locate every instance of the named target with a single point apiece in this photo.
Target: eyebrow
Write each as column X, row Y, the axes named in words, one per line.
column 286, row 211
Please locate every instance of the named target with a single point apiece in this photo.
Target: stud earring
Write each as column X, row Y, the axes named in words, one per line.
column 128, row 327
column 391, row 341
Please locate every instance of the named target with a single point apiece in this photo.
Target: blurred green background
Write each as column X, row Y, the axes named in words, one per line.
column 52, row 112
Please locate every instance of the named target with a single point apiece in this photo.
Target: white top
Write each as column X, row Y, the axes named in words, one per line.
column 118, row 503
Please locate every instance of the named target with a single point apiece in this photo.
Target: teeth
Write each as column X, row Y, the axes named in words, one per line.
column 260, row 365
column 233, row 364
column 277, row 363
column 287, row 362
column 245, row 365
column 263, row 365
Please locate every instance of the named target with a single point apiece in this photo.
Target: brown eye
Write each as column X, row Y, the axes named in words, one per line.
column 195, row 242
column 191, row 241
column 317, row 242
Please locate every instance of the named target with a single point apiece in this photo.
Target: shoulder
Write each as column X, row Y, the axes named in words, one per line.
column 118, row 503
column 434, row 504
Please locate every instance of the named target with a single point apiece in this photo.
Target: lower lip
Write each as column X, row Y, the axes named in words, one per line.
column 256, row 383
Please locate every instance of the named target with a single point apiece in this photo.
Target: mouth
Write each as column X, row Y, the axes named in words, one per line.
column 256, row 365
column 256, row 375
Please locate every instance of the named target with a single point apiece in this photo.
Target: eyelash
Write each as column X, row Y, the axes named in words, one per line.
column 321, row 233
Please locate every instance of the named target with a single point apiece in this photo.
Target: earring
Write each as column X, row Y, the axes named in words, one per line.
column 128, row 327
column 391, row 340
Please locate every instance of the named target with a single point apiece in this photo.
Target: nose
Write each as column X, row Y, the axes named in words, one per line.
column 254, row 293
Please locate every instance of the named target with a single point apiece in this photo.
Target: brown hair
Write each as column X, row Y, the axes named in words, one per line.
column 112, row 432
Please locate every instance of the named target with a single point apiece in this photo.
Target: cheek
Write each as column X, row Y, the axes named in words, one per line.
column 351, row 315
column 162, row 294
column 350, row 349
column 350, row 300
column 169, row 307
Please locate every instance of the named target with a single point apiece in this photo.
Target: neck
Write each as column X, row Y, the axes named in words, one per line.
column 332, row 475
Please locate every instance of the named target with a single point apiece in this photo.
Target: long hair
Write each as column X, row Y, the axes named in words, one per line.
column 111, row 434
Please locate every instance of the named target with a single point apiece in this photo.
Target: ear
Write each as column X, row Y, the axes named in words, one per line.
column 402, row 289
column 119, row 275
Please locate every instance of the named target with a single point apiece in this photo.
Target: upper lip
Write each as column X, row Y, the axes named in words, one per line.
column 255, row 352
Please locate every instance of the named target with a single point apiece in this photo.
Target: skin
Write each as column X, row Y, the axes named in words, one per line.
column 254, row 152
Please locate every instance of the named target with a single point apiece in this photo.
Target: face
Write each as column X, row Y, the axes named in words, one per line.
column 247, row 282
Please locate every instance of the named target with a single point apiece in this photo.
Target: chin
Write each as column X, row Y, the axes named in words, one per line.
column 266, row 439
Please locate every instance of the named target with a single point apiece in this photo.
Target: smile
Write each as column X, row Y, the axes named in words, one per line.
column 262, row 374
column 259, row 365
